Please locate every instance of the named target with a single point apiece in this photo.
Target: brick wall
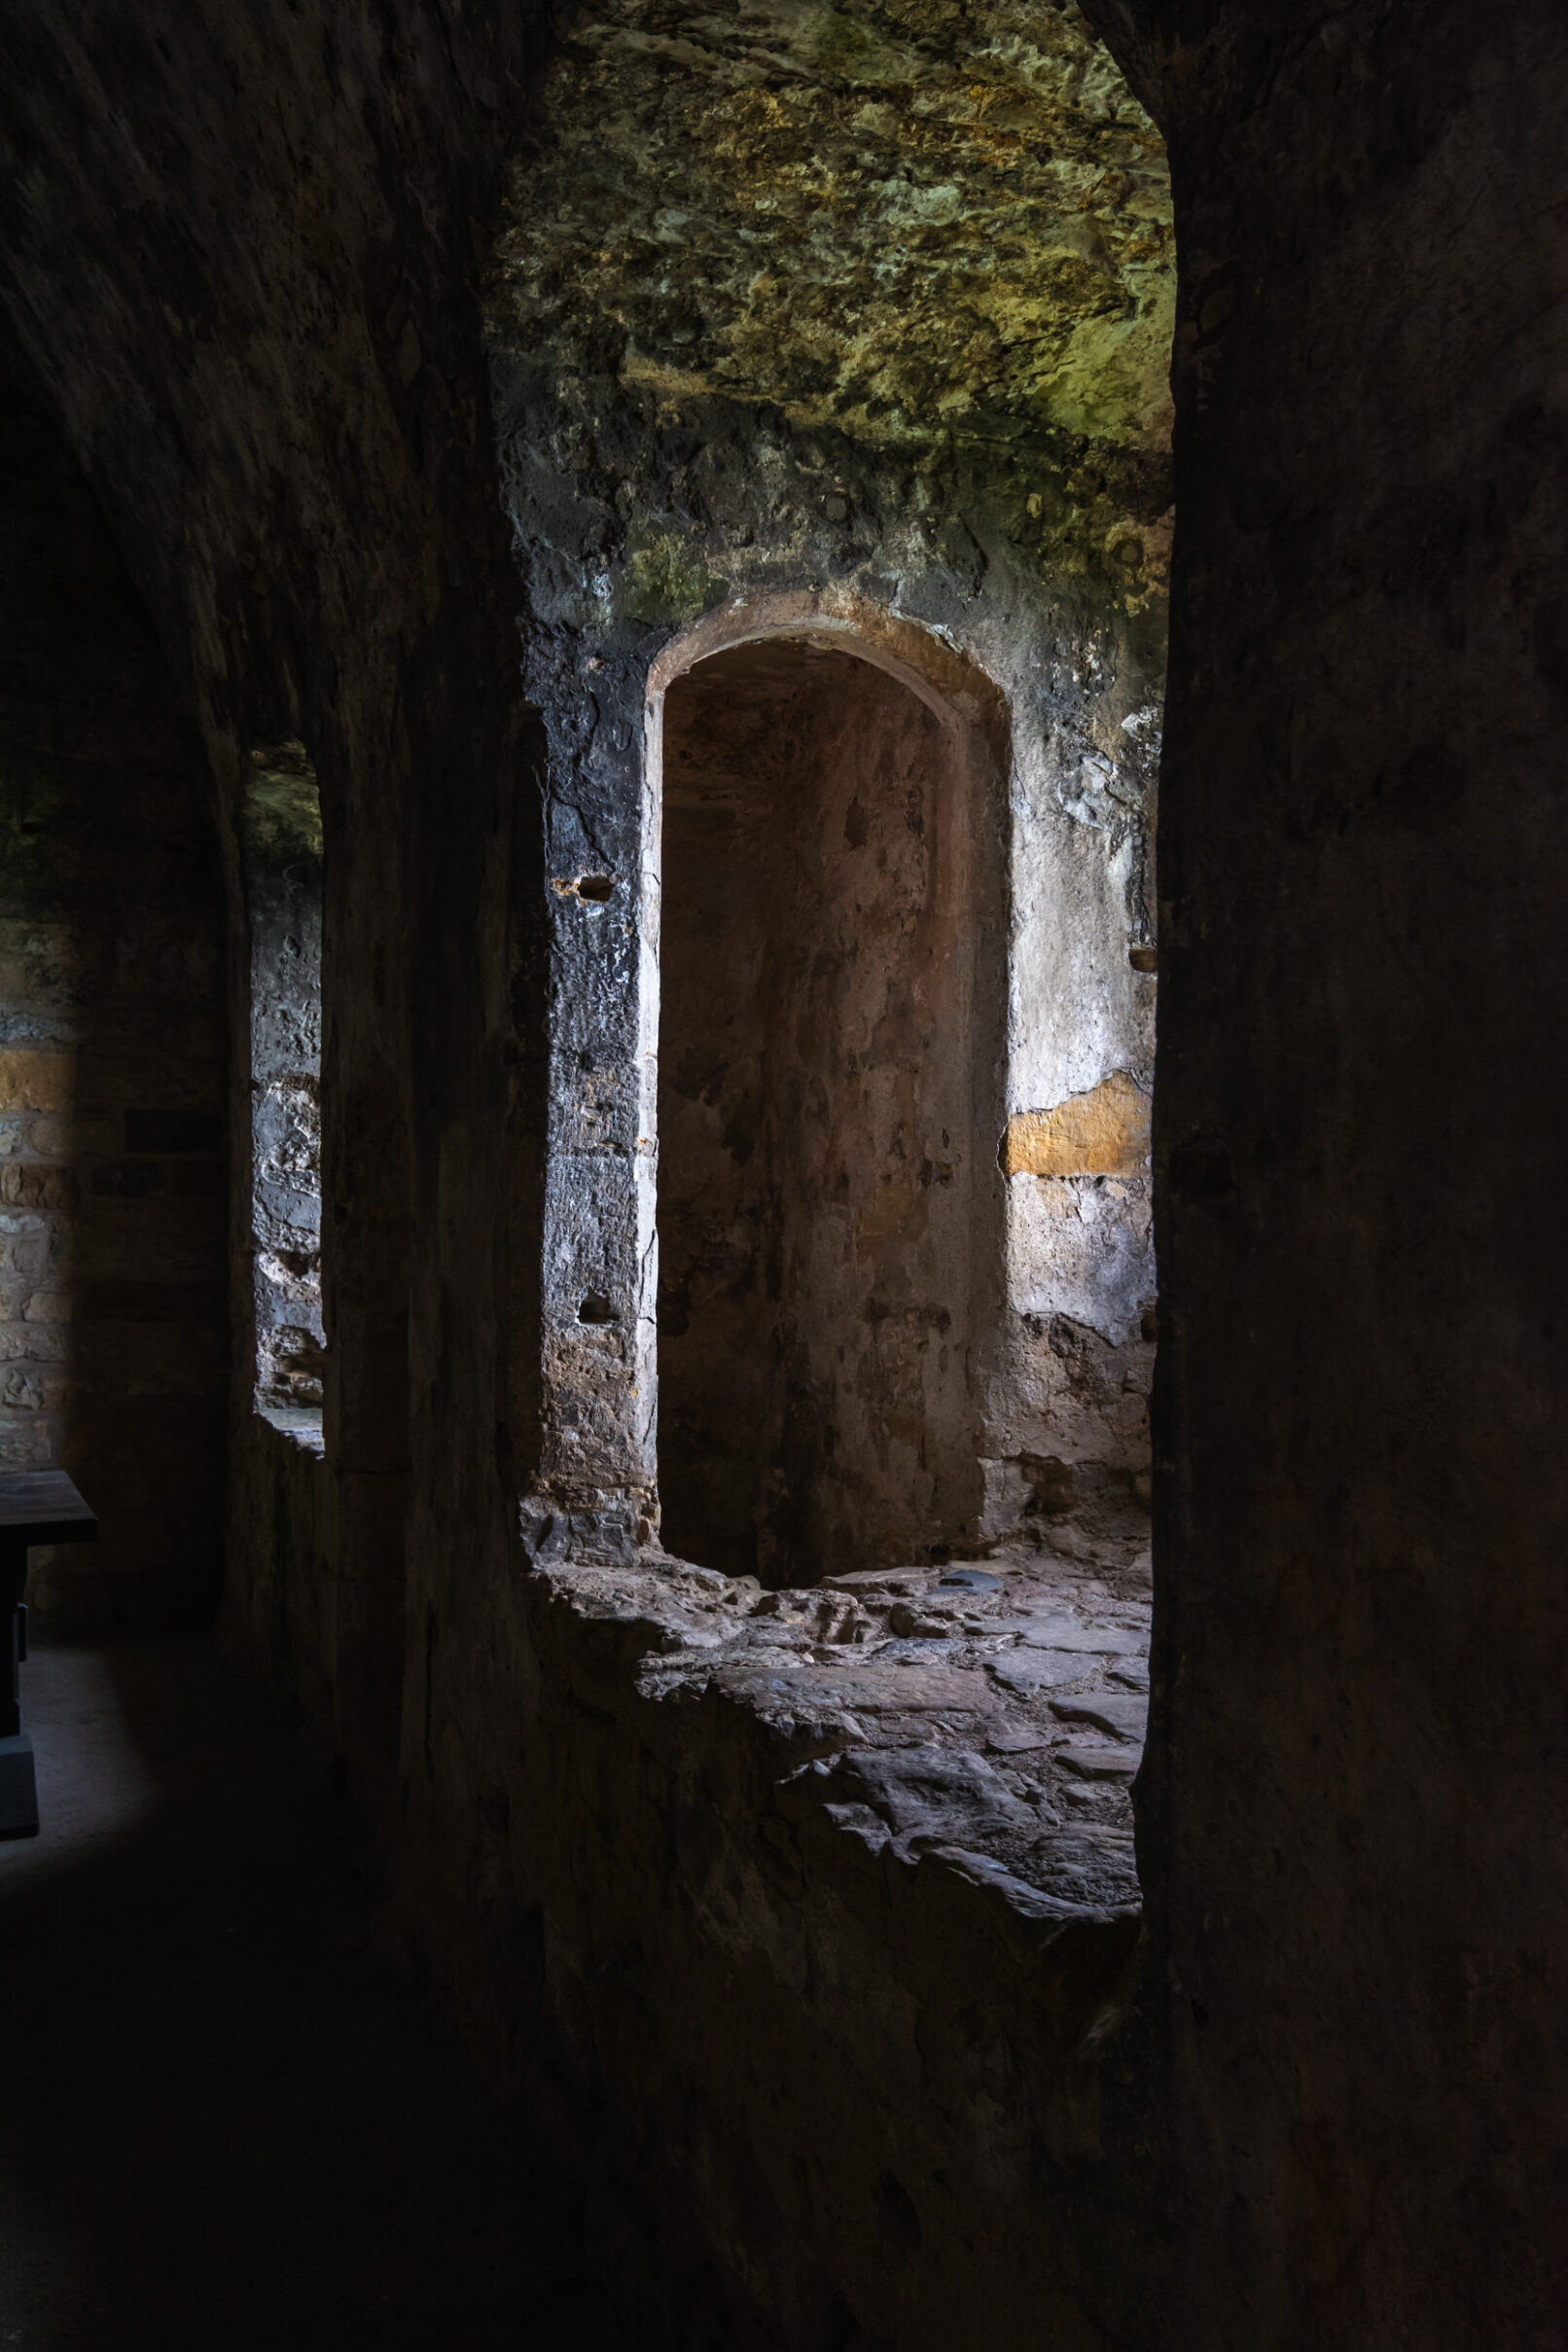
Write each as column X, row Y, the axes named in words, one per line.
column 112, row 1210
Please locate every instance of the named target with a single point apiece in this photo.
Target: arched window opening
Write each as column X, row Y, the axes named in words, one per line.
column 831, row 993
column 282, row 854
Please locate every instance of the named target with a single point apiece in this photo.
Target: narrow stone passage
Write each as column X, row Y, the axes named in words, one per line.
column 228, row 2119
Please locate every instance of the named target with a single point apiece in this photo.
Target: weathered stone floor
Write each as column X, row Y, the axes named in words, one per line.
column 227, row 2119
column 990, row 1713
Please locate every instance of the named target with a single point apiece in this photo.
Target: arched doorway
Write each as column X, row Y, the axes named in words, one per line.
column 831, row 1006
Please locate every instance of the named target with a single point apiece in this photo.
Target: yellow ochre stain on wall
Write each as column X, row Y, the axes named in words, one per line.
column 1104, row 1132
column 31, row 1081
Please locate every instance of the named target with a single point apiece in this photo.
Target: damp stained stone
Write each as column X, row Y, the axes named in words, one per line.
column 953, row 235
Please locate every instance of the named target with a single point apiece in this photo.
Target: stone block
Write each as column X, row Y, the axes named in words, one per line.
column 24, row 1440
column 1124, row 1715
column 29, row 1184
column 78, row 1131
column 33, row 1342
column 35, row 1079
column 1027, row 1672
column 1104, row 1132
column 1052, row 1633
column 1090, row 1761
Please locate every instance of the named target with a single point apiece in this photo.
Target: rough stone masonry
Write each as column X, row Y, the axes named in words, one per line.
column 443, row 375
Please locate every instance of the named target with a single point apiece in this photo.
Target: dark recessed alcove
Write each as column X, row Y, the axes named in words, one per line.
column 816, row 1077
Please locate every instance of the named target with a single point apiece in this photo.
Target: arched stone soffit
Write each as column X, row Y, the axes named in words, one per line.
column 947, row 681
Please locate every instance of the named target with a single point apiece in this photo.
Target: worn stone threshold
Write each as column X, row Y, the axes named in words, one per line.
column 987, row 1715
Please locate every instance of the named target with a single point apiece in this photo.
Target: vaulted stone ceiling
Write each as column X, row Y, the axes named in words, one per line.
column 924, row 224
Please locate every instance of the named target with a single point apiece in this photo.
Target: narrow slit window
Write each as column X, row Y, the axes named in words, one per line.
column 282, row 854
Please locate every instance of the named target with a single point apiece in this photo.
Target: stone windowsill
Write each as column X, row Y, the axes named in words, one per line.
column 989, row 1726
column 298, row 1424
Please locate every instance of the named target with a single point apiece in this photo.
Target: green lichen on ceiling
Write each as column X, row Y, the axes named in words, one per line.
column 282, row 808
column 920, row 221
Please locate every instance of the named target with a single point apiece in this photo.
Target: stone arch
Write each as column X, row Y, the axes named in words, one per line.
column 823, row 1041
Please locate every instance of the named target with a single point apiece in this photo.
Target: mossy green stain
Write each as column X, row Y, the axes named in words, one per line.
column 282, row 814
column 668, row 581
column 921, row 225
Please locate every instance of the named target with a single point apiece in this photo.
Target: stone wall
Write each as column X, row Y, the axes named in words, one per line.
column 113, row 1103
column 892, row 1984
column 1070, row 701
column 796, row 324
column 1361, row 1488
column 1326, row 2110
column 280, row 865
